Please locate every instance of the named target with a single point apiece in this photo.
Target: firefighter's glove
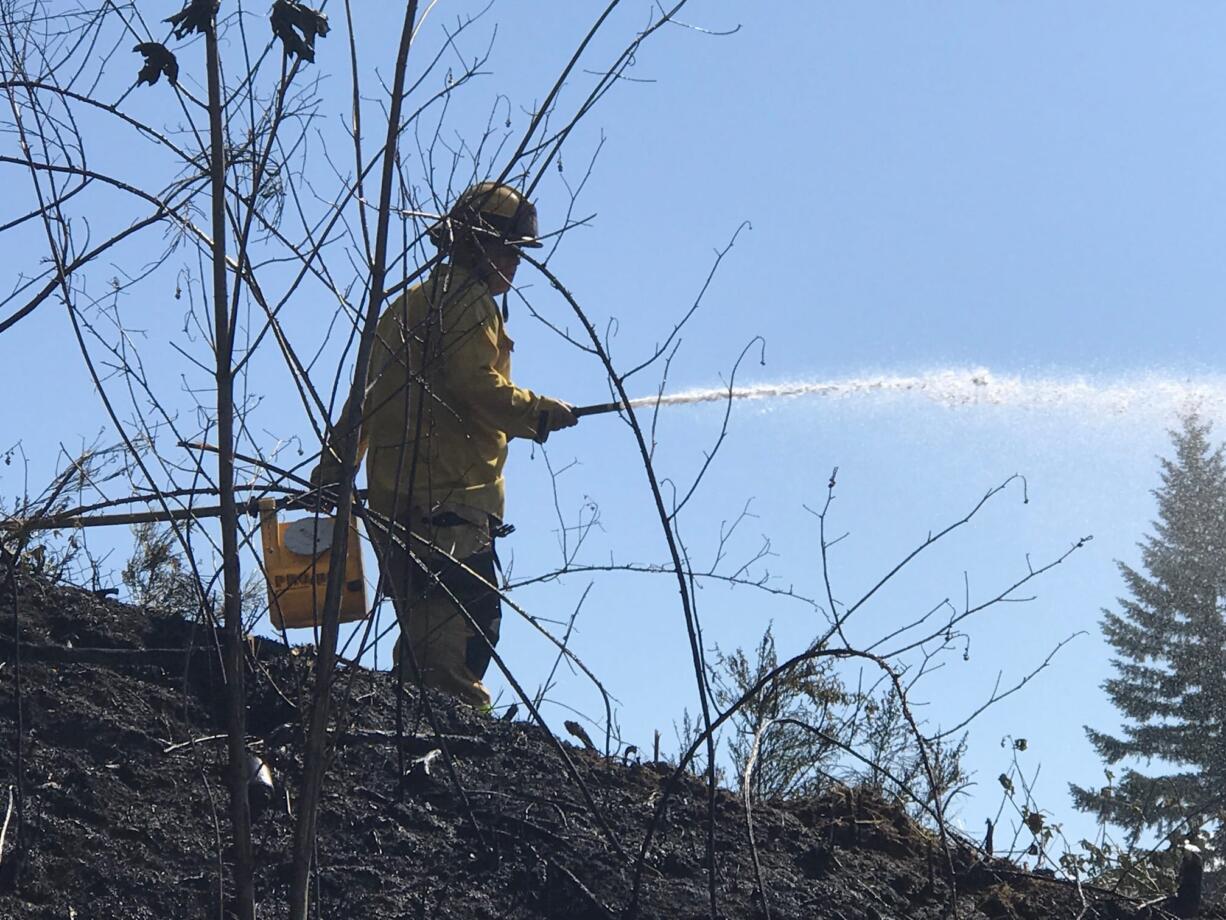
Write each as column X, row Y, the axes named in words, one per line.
column 554, row 416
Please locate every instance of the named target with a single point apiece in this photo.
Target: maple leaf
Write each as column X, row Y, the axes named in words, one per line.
column 159, row 61
column 197, row 16
column 288, row 16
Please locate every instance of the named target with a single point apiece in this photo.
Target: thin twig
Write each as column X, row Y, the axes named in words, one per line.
column 8, row 815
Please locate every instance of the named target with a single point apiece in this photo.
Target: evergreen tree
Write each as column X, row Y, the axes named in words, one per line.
column 1170, row 657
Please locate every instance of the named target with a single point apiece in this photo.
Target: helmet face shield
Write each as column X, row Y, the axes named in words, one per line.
column 489, row 213
column 515, row 229
column 525, row 231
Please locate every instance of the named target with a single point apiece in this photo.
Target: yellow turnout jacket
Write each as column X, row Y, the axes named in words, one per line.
column 439, row 404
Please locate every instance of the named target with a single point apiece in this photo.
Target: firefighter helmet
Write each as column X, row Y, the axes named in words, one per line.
column 489, row 212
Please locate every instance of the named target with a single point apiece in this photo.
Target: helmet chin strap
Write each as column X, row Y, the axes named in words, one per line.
column 506, row 307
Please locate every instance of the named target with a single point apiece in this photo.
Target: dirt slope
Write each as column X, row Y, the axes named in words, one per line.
column 120, row 824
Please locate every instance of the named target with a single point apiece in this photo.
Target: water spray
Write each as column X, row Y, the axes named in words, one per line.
column 974, row 388
column 704, row 396
column 781, row 391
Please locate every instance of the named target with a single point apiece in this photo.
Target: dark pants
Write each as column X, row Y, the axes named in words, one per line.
column 449, row 573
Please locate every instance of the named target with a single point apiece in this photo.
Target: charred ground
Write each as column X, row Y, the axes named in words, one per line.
column 124, row 803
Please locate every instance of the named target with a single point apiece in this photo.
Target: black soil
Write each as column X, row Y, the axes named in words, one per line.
column 125, row 804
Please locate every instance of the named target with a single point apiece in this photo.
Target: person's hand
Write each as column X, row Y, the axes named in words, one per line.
column 554, row 416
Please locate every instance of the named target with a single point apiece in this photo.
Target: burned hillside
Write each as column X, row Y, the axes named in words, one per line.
column 113, row 747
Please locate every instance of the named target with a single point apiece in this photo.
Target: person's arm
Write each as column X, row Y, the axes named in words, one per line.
column 489, row 397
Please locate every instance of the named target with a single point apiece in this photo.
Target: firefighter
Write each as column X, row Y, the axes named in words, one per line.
column 438, row 411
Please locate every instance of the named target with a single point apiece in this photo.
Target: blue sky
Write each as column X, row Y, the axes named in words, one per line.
column 1035, row 189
